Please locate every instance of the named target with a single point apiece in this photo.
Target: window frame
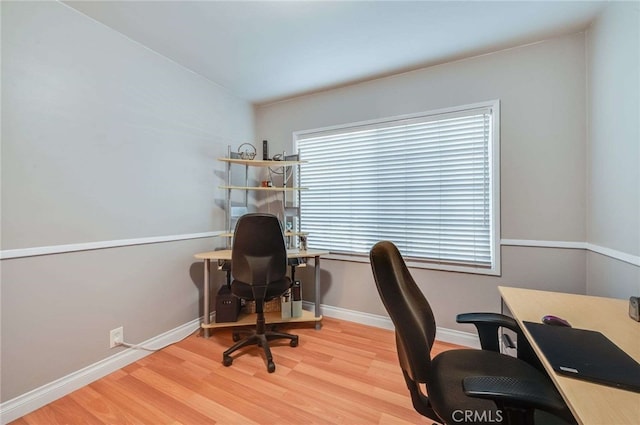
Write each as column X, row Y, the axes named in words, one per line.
column 494, row 166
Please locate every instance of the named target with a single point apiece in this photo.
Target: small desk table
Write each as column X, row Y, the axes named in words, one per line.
column 225, row 255
column 589, row 402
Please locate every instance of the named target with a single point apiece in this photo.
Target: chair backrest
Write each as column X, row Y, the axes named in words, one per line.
column 408, row 308
column 259, row 254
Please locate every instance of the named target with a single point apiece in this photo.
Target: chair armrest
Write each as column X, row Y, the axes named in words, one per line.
column 501, row 320
column 513, row 393
column 487, row 325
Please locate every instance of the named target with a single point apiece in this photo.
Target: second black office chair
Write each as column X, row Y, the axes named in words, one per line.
column 463, row 386
column 258, row 269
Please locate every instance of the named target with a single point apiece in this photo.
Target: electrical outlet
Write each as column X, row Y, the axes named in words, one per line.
column 116, row 337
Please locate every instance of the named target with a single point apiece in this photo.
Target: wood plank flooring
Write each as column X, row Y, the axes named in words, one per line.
column 345, row 373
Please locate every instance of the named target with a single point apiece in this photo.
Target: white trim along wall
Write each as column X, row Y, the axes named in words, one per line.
column 61, row 249
column 41, row 396
column 25, row 403
column 608, row 252
column 88, row 246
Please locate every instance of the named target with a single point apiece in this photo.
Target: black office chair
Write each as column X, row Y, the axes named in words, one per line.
column 258, row 269
column 466, row 385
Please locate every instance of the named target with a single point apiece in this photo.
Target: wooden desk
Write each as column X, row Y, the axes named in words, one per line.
column 590, row 403
column 225, row 255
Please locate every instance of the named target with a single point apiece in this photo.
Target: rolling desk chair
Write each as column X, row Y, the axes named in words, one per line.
column 258, row 269
column 463, row 386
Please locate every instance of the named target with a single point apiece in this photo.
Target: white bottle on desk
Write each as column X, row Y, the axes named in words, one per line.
column 285, row 304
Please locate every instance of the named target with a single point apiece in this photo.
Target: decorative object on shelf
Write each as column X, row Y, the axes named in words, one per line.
column 247, row 151
column 285, row 172
column 269, row 306
column 296, row 299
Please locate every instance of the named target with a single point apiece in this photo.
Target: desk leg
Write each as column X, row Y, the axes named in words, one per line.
column 316, row 284
column 207, row 266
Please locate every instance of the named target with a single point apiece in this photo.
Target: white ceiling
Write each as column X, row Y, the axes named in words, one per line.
column 268, row 50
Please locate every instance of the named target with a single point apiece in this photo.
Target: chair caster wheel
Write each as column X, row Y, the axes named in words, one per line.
column 236, row 337
column 294, row 343
column 227, row 360
column 271, row 367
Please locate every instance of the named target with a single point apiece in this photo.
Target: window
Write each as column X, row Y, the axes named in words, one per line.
column 428, row 182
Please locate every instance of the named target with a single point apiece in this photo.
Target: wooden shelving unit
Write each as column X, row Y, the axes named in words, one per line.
column 290, row 169
column 273, row 317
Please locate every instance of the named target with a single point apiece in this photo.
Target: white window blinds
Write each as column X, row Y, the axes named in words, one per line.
column 423, row 182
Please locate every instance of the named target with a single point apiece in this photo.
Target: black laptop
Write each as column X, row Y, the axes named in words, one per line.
column 586, row 355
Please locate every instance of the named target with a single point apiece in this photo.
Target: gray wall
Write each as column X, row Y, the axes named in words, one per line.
column 543, row 152
column 102, row 139
column 613, row 219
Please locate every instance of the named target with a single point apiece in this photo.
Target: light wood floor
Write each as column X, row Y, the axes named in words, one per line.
column 345, row 373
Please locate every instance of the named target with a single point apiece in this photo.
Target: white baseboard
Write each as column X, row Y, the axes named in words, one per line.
column 34, row 399
column 452, row 336
column 39, row 397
